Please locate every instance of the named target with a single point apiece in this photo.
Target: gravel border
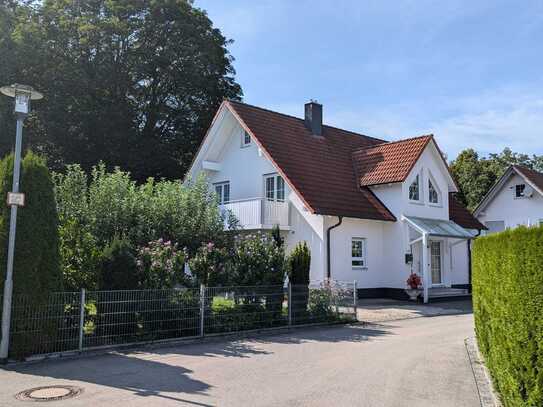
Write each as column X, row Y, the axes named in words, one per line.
column 487, row 395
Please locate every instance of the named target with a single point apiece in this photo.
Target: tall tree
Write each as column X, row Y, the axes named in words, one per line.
column 134, row 83
column 475, row 175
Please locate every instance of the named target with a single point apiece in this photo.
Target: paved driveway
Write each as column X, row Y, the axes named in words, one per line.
column 412, row 362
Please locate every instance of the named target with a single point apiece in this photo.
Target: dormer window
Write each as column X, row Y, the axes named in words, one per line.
column 414, row 190
column 245, row 139
column 519, row 190
column 433, row 195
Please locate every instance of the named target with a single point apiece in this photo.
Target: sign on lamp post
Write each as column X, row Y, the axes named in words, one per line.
column 22, row 95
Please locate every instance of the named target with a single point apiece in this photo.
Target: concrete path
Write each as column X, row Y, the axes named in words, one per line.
column 414, row 362
column 381, row 310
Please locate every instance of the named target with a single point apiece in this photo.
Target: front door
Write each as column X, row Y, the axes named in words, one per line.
column 436, row 262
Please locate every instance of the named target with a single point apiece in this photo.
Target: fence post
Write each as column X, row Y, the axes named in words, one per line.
column 202, row 308
column 355, row 300
column 289, row 303
column 81, row 318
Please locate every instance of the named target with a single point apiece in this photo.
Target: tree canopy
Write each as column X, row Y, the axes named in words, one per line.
column 475, row 175
column 133, row 83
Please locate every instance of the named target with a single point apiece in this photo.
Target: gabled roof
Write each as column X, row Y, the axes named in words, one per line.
column 459, row 214
column 531, row 177
column 388, row 162
column 319, row 169
column 534, row 178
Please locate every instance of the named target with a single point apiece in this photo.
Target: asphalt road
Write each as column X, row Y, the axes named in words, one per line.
column 413, row 362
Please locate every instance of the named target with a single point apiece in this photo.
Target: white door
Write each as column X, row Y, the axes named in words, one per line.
column 436, row 262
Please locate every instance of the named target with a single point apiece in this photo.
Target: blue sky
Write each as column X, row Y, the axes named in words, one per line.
column 470, row 72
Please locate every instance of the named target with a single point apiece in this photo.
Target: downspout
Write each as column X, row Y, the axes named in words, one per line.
column 328, row 271
column 469, row 261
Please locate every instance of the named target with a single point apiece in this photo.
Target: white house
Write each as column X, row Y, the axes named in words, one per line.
column 516, row 199
column 366, row 207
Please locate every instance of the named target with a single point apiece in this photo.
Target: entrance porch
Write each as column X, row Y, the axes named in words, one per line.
column 431, row 243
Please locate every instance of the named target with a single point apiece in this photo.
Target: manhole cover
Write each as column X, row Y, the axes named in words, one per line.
column 49, row 393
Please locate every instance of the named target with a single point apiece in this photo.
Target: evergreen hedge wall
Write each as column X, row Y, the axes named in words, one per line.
column 508, row 308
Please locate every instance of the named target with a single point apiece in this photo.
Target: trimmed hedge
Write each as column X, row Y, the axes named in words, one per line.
column 508, row 308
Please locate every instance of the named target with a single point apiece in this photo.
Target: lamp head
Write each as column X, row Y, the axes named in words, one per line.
column 23, row 94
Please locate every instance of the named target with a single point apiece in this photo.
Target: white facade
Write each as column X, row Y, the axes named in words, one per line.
column 225, row 157
column 503, row 209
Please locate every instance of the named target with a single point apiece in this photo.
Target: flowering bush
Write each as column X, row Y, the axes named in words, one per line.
column 208, row 266
column 162, row 265
column 414, row 281
column 257, row 259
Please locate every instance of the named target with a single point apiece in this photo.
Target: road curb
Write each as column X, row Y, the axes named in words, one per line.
column 487, row 396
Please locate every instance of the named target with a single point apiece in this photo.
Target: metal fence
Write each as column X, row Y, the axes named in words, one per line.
column 77, row 321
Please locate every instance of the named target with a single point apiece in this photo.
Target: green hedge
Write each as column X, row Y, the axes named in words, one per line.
column 508, row 308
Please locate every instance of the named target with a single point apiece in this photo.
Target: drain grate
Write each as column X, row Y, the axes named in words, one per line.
column 49, row 393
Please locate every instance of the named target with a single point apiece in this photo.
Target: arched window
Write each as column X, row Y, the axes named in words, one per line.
column 433, row 195
column 414, row 190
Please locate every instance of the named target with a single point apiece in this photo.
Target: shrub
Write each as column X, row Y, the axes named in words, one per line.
column 299, row 262
column 36, row 263
column 208, row 265
column 36, row 269
column 257, row 259
column 507, row 301
column 117, row 264
column 162, row 265
column 94, row 209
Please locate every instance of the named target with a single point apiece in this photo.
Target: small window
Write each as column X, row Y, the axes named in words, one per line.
column 433, row 195
column 519, row 190
column 245, row 139
column 275, row 188
column 223, row 192
column 414, row 190
column 358, row 252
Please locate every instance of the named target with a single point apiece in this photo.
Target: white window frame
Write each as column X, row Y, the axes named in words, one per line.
column 431, row 180
column 522, row 195
column 418, row 178
column 244, row 137
column 221, row 195
column 364, row 255
column 278, row 191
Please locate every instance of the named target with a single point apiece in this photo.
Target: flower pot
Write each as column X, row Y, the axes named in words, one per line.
column 413, row 293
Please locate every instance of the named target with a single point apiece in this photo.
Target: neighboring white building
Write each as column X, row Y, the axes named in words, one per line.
column 366, row 207
column 516, row 199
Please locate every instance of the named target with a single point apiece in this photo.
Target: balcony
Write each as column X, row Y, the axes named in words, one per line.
column 259, row 213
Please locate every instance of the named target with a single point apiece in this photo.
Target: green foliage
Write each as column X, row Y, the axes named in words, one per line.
column 507, row 301
column 161, row 266
column 133, row 83
column 208, row 265
column 94, row 209
column 299, row 262
column 256, row 260
column 475, row 175
column 117, row 265
column 36, row 265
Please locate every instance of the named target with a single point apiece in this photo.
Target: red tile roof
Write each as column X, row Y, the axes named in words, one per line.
column 388, row 162
column 319, row 168
column 533, row 176
column 459, row 214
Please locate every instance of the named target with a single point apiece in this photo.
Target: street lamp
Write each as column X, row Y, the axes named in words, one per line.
column 23, row 94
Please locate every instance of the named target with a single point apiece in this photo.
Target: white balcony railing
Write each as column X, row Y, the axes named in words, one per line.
column 258, row 213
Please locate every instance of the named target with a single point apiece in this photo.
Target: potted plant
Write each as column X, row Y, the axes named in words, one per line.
column 414, row 283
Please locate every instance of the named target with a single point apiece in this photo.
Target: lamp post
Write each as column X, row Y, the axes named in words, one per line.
column 22, row 94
